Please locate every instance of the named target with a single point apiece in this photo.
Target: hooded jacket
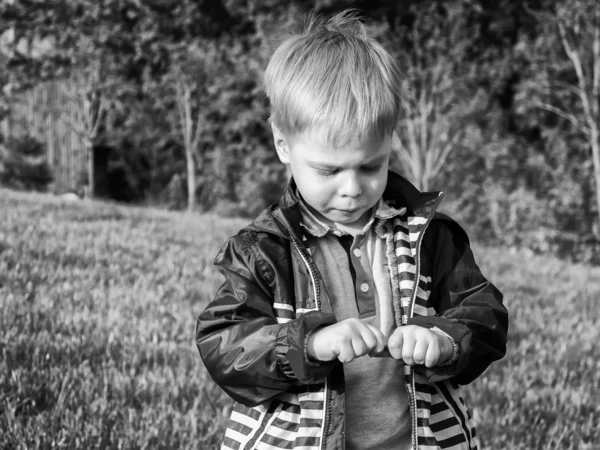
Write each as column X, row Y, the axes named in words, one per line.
column 252, row 336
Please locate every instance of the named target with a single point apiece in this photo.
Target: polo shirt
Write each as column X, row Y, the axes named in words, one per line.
column 355, row 271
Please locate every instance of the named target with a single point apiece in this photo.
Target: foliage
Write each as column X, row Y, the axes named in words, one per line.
column 23, row 164
column 477, row 76
column 97, row 314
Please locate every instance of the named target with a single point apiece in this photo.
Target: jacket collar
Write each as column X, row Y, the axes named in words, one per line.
column 284, row 219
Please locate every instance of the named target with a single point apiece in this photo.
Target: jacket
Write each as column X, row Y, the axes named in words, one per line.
column 252, row 336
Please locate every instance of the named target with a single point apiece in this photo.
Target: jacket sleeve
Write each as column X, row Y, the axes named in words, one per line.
column 469, row 307
column 245, row 350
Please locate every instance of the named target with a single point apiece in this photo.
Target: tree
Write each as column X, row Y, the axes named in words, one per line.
column 187, row 89
column 88, row 87
column 569, row 84
column 188, row 79
column 437, row 97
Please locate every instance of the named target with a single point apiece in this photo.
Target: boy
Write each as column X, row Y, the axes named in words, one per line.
column 351, row 311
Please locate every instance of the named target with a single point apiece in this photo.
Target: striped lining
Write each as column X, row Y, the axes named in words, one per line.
column 443, row 421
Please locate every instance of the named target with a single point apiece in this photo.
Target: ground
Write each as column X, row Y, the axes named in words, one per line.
column 97, row 316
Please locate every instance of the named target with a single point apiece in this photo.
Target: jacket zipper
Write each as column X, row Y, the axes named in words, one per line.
column 327, row 418
column 316, row 286
column 412, row 389
column 317, row 292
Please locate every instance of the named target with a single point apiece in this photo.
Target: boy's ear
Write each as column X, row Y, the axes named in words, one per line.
column 281, row 145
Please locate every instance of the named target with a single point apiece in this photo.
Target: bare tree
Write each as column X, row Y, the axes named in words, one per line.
column 192, row 70
column 191, row 120
column 576, row 27
column 89, row 103
column 435, row 106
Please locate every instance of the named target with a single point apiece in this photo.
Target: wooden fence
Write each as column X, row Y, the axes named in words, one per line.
column 46, row 112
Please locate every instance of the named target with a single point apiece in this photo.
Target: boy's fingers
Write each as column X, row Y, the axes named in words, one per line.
column 433, row 355
column 346, row 352
column 408, row 349
column 359, row 339
column 367, row 337
column 370, row 339
column 359, row 346
column 420, row 351
column 378, row 343
column 395, row 343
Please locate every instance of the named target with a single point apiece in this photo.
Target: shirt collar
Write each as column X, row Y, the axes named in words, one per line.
column 381, row 213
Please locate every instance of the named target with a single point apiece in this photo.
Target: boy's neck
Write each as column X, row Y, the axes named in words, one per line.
column 355, row 228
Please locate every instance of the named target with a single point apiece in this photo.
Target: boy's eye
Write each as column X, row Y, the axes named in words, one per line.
column 372, row 168
column 326, row 173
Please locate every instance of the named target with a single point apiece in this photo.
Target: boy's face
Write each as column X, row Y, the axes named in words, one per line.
column 340, row 184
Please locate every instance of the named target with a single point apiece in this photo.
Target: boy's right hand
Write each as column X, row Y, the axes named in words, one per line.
column 345, row 340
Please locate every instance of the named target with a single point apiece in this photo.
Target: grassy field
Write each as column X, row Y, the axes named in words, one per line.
column 97, row 315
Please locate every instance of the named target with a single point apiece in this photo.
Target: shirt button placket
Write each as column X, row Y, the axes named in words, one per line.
column 364, row 287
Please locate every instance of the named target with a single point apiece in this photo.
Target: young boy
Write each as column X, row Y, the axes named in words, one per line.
column 351, row 311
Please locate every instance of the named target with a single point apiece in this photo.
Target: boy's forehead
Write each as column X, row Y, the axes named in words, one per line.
column 320, row 149
column 321, row 138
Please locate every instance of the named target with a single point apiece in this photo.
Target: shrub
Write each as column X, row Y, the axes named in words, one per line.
column 23, row 164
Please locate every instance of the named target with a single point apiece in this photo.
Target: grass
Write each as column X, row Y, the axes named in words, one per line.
column 97, row 316
column 544, row 393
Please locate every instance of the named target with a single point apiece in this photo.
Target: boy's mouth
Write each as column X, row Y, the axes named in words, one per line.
column 350, row 211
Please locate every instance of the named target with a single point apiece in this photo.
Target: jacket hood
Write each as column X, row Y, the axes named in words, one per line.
column 284, row 218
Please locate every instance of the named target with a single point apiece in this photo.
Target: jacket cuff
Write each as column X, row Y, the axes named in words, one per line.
column 307, row 359
column 290, row 347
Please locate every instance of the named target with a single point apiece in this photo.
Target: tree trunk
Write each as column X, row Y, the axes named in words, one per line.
column 424, row 183
column 417, row 168
column 89, row 152
column 191, row 178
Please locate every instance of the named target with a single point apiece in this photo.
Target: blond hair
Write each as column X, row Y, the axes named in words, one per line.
column 333, row 75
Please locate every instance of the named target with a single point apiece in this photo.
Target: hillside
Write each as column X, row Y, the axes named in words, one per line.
column 97, row 316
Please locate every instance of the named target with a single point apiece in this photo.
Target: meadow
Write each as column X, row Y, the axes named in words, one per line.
column 98, row 304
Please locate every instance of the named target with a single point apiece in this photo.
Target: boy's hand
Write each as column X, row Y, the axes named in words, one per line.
column 420, row 346
column 345, row 340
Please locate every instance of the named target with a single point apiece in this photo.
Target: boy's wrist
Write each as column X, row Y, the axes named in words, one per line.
column 451, row 349
column 309, row 347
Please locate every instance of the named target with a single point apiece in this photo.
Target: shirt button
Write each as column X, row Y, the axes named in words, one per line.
column 357, row 252
column 364, row 287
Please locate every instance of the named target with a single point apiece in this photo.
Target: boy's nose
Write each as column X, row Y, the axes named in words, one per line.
column 350, row 186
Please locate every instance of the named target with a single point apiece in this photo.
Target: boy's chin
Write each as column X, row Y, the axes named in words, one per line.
column 349, row 219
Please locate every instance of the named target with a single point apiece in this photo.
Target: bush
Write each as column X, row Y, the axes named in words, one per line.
column 23, row 164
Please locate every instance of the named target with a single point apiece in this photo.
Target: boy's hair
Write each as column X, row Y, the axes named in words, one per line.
column 333, row 75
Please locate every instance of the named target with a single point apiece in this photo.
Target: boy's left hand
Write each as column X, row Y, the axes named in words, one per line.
column 420, row 346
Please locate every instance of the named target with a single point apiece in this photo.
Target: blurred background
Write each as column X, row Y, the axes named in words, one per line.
column 160, row 102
